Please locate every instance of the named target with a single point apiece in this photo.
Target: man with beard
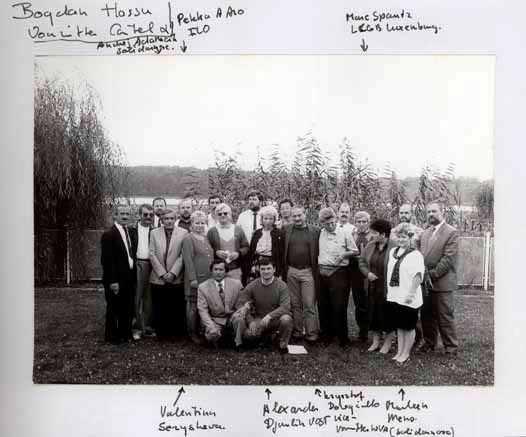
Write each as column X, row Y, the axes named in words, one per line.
column 159, row 204
column 439, row 245
column 185, row 211
column 249, row 220
column 405, row 215
column 213, row 201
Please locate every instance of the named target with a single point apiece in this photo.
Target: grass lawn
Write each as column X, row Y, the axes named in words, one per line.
column 69, row 348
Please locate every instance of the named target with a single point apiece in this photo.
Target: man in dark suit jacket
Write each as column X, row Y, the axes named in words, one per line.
column 301, row 273
column 439, row 245
column 118, row 252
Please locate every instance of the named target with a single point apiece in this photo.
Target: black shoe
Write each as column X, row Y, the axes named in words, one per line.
column 344, row 342
column 425, row 349
column 283, row 350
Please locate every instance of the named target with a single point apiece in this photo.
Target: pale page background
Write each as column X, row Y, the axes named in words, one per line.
column 471, row 27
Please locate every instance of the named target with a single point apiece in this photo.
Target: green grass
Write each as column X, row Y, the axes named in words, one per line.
column 69, row 348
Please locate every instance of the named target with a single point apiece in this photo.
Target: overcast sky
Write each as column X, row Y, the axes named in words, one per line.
column 405, row 111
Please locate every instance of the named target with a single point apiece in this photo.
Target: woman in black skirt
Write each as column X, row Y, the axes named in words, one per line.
column 373, row 265
column 405, row 271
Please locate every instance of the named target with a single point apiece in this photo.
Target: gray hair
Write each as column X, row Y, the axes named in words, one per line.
column 223, row 207
column 198, row 215
column 269, row 211
column 403, row 229
column 362, row 214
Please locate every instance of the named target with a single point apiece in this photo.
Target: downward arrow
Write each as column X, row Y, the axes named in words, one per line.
column 183, row 47
column 362, row 45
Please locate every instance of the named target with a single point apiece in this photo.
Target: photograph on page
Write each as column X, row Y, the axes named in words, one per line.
column 264, row 220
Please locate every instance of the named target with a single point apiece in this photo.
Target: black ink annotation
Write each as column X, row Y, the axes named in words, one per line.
column 25, row 10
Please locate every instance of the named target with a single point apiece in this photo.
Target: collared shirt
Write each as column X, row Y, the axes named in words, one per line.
column 125, row 241
column 246, row 221
column 349, row 226
column 219, row 283
column 157, row 222
column 437, row 227
column 143, row 247
column 264, row 246
column 335, row 244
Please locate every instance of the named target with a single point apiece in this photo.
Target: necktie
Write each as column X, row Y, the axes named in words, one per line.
column 221, row 292
column 255, row 221
column 128, row 241
column 168, row 238
column 433, row 232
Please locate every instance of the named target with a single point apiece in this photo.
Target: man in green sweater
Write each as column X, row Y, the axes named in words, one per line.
column 270, row 301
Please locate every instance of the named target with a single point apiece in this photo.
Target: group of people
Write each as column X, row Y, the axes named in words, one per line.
column 270, row 277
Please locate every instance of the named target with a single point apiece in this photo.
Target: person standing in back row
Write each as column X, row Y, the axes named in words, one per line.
column 250, row 220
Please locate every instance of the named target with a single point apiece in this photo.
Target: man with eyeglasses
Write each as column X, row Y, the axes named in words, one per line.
column 142, row 322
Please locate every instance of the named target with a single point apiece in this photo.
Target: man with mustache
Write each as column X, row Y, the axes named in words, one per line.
column 439, row 245
column 405, row 215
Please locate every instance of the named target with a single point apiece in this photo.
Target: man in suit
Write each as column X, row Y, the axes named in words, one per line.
column 118, row 249
column 269, row 298
column 301, row 271
column 159, row 204
column 218, row 299
column 142, row 323
column 439, row 245
column 166, row 278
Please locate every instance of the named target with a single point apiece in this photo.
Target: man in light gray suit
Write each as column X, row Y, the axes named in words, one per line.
column 439, row 245
column 219, row 305
column 166, row 278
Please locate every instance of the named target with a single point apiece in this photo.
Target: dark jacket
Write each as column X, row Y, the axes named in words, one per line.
column 241, row 244
column 114, row 259
column 276, row 236
column 314, row 233
column 365, row 257
column 440, row 256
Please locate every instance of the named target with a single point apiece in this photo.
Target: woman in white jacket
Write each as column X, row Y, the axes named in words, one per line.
column 405, row 271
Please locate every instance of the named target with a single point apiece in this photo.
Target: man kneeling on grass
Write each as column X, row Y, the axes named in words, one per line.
column 220, row 308
column 269, row 300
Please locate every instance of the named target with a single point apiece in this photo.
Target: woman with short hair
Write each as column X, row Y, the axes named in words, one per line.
column 373, row 265
column 405, row 271
column 197, row 256
column 266, row 241
column 228, row 241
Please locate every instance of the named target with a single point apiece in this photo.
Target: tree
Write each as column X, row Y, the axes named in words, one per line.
column 485, row 200
column 78, row 171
